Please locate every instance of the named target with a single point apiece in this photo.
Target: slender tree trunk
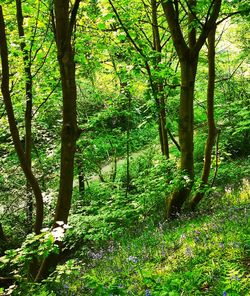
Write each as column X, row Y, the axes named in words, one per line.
column 65, row 56
column 114, row 166
column 28, row 112
column 2, row 235
column 161, row 106
column 126, row 92
column 158, row 87
column 64, row 23
column 212, row 132
column 81, row 182
column 186, row 129
column 80, row 171
column 13, row 128
column 188, row 53
column 128, row 176
column 171, row 136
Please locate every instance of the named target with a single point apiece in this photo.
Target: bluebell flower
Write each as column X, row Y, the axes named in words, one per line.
column 188, row 252
column 133, row 259
column 222, row 245
column 224, row 293
column 147, row 293
column 97, row 255
column 196, row 239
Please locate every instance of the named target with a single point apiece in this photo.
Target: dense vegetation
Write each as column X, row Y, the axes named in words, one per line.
column 124, row 144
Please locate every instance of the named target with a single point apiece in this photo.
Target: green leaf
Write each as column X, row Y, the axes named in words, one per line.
column 122, row 37
column 101, row 26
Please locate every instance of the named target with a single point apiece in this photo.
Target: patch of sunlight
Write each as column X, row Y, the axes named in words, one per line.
column 245, row 190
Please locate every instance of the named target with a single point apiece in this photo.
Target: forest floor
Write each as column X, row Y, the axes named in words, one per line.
column 202, row 253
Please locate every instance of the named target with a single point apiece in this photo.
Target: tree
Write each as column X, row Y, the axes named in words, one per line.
column 212, row 131
column 63, row 19
column 14, row 130
column 188, row 52
column 63, row 24
column 29, row 102
column 151, row 45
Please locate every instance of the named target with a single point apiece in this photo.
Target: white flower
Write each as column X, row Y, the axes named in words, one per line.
column 58, row 233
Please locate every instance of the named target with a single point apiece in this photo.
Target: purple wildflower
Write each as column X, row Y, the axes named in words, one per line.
column 133, row 259
column 222, row 245
column 97, row 255
column 188, row 252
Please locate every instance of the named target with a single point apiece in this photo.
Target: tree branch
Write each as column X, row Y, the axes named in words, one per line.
column 73, row 16
column 172, row 17
column 126, row 31
column 232, row 14
column 211, row 23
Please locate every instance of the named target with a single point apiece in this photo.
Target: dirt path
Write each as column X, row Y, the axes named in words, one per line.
column 121, row 161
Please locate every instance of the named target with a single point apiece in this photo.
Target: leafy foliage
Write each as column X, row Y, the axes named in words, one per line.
column 118, row 241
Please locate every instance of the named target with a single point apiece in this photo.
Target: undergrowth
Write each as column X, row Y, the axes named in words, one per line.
column 120, row 244
column 194, row 255
column 197, row 254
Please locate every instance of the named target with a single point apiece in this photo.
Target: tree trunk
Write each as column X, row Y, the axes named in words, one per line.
column 212, row 132
column 128, row 140
column 186, row 130
column 28, row 112
column 188, row 53
column 2, row 235
column 158, row 87
column 64, row 23
column 65, row 56
column 162, row 121
column 14, row 131
column 80, row 172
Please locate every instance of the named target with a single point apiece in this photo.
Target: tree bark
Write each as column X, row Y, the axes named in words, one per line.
column 188, row 53
column 128, row 140
column 13, row 128
column 212, row 132
column 29, row 103
column 80, row 172
column 64, row 22
column 81, row 181
column 186, row 128
column 161, row 105
column 65, row 56
column 158, row 87
column 2, row 235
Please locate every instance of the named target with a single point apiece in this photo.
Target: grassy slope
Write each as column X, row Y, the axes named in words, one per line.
column 205, row 254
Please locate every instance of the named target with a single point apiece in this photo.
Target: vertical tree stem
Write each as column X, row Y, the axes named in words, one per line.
column 14, row 130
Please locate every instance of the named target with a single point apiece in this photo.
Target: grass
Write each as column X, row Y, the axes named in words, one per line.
column 207, row 253
column 121, row 245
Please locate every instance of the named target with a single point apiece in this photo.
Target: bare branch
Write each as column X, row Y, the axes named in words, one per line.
column 232, row 14
column 73, row 16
